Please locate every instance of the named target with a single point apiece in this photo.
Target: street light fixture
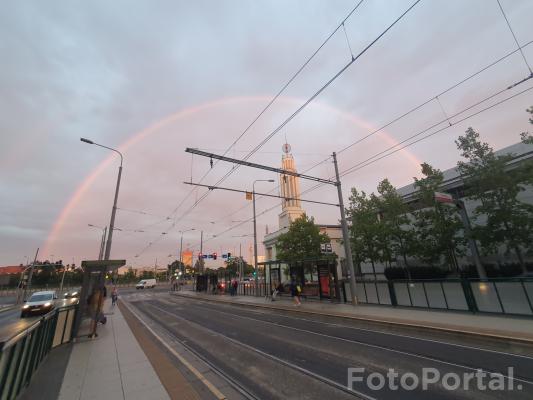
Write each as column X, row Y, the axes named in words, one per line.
column 114, row 209
column 102, row 242
column 255, row 233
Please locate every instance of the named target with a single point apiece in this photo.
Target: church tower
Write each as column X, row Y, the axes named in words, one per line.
column 290, row 188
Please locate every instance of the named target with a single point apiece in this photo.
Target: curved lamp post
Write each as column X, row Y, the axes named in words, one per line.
column 114, row 209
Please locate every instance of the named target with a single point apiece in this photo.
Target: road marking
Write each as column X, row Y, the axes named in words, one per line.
column 191, row 368
column 279, row 360
column 372, row 331
column 376, row 346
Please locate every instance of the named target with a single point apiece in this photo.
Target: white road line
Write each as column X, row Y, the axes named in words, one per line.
column 191, row 368
column 379, row 347
column 279, row 360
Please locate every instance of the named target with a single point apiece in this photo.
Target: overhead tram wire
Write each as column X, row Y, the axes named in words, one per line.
column 514, row 37
column 283, row 88
column 520, row 49
column 371, row 44
column 418, row 107
column 372, row 159
column 294, row 114
column 276, row 96
column 384, row 153
column 405, row 114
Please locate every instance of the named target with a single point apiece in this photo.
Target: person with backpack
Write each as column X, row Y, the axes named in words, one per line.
column 296, row 291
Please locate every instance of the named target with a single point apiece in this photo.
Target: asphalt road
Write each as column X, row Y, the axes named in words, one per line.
column 274, row 355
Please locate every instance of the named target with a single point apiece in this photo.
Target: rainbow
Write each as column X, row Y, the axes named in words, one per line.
column 182, row 114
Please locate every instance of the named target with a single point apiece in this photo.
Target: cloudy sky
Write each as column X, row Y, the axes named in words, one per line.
column 153, row 77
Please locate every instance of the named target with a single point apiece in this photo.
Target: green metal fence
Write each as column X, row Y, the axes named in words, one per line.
column 21, row 355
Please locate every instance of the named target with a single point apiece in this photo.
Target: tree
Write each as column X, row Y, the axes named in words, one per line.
column 437, row 227
column 175, row 267
column 365, row 232
column 302, row 241
column 526, row 136
column 398, row 237
column 503, row 218
column 233, row 266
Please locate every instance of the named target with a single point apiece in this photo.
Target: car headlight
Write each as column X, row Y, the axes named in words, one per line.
column 74, row 294
column 48, row 304
column 25, row 306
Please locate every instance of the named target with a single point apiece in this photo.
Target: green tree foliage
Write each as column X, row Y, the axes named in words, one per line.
column 437, row 226
column 233, row 266
column 302, row 241
column 397, row 237
column 503, row 218
column 365, row 232
column 526, row 136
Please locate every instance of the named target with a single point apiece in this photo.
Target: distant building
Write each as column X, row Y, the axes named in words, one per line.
column 7, row 272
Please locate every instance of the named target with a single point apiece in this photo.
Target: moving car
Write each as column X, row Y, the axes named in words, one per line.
column 146, row 283
column 74, row 293
column 39, row 303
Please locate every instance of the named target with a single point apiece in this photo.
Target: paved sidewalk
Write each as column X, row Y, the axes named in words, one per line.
column 112, row 366
column 479, row 324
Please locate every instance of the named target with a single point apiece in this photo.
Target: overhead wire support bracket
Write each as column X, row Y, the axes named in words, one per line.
column 210, row 187
column 259, row 166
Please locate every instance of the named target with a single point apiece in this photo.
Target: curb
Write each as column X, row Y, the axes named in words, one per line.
column 433, row 328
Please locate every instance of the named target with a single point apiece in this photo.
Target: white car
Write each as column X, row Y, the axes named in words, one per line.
column 146, row 283
column 39, row 303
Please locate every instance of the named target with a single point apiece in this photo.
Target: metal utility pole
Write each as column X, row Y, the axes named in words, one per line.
column 255, row 235
column 471, row 241
column 102, row 241
column 63, row 278
column 201, row 260
column 345, row 235
column 28, row 286
column 240, row 262
column 114, row 209
column 102, row 244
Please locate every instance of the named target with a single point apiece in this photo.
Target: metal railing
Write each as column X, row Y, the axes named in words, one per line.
column 21, row 355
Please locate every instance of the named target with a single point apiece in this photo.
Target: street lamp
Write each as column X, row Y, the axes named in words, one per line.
column 102, row 242
column 255, row 232
column 114, row 209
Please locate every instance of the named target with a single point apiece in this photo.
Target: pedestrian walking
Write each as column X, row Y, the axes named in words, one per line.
column 114, row 296
column 235, row 286
column 296, row 290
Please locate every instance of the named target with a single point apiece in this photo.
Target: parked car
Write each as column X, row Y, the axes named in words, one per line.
column 146, row 283
column 39, row 303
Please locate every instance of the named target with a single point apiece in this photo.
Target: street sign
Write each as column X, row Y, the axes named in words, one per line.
column 443, row 197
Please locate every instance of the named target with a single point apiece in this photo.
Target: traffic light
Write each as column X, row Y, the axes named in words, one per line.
column 214, row 256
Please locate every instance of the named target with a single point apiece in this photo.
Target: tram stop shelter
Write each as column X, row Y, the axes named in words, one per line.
column 318, row 277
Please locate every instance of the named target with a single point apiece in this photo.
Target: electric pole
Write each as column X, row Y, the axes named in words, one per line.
column 345, row 235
